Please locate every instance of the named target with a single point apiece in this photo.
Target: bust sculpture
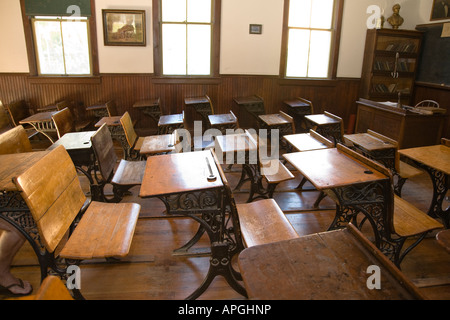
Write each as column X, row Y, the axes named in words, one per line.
column 395, row 20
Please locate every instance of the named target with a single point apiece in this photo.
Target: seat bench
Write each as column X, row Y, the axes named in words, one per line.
column 410, row 221
column 68, row 223
column 264, row 222
column 274, row 172
column 105, row 230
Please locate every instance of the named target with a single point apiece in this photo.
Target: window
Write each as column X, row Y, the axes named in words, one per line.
column 312, row 33
column 62, row 45
column 187, row 32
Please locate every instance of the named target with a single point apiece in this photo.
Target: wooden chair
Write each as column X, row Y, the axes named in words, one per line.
column 111, row 108
column 15, row 140
column 4, row 120
column 52, row 191
column 128, row 173
column 402, row 222
column 427, row 103
column 133, row 140
column 273, row 171
column 80, row 121
column 257, row 222
column 19, row 110
column 64, row 122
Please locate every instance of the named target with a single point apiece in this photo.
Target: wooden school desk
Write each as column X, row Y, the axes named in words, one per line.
column 325, row 266
column 42, row 122
column 190, row 184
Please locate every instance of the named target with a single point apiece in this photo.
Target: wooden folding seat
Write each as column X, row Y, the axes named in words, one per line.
column 64, row 122
column 66, row 220
column 257, row 222
column 15, row 140
column 402, row 221
column 128, row 173
column 19, row 110
column 133, row 140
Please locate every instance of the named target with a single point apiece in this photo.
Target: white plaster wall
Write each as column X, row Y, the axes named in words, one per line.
column 13, row 51
column 240, row 52
column 125, row 59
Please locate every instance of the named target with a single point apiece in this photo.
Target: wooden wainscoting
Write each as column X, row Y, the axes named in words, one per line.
column 336, row 96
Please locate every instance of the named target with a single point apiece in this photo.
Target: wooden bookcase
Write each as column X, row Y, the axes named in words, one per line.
column 390, row 64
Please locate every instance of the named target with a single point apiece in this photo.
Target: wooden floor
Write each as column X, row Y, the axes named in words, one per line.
column 152, row 272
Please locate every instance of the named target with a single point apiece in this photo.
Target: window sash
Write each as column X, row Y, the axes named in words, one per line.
column 311, row 67
column 66, row 54
column 193, row 51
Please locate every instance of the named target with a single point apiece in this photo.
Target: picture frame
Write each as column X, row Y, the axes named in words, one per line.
column 440, row 10
column 124, row 27
column 255, row 29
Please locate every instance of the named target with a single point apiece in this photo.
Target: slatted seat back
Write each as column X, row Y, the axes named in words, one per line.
column 15, row 140
column 52, row 192
column 103, row 146
column 64, row 122
column 128, row 128
column 18, row 110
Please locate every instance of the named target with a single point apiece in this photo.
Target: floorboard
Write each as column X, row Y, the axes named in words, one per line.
column 152, row 272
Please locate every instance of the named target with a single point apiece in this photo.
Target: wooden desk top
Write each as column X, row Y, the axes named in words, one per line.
column 297, row 103
column 232, row 143
column 216, row 119
column 196, row 100
column 97, row 107
column 304, row 142
column 14, row 164
column 274, row 119
column 443, row 238
column 146, row 103
column 170, row 119
column 74, row 141
column 321, row 119
column 368, row 141
column 179, row 172
column 248, row 100
column 330, row 168
column 437, row 157
column 39, row 117
column 158, row 144
column 110, row 121
column 324, row 266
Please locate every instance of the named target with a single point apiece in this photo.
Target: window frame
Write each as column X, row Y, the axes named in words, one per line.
column 334, row 48
column 60, row 20
column 215, row 43
column 32, row 54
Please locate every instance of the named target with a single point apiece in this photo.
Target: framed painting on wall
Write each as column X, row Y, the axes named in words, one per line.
column 124, row 27
column 440, row 10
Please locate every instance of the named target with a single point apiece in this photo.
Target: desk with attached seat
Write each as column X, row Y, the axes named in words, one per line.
column 43, row 123
column 191, row 184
